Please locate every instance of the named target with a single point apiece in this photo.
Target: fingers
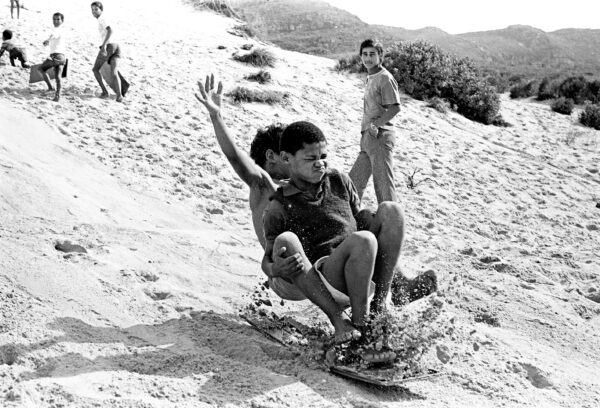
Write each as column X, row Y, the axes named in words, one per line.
column 212, row 81
column 201, row 88
column 220, row 88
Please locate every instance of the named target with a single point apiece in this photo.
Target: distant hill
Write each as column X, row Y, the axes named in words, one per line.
column 316, row 27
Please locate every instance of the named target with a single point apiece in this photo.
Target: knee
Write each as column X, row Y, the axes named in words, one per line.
column 366, row 241
column 289, row 240
column 390, row 212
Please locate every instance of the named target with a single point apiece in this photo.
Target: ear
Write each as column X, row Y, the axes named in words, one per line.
column 270, row 155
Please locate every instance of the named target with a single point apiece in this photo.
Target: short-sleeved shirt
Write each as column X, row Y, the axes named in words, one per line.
column 321, row 222
column 58, row 41
column 103, row 24
column 381, row 90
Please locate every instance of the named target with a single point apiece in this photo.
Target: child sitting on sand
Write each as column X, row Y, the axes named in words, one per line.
column 310, row 228
column 14, row 52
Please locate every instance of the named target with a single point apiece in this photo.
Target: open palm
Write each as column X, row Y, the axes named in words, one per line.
column 208, row 97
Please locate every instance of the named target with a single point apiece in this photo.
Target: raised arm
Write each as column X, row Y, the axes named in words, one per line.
column 243, row 165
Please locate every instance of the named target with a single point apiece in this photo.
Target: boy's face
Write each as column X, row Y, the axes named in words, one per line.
column 308, row 164
column 96, row 11
column 370, row 57
column 57, row 21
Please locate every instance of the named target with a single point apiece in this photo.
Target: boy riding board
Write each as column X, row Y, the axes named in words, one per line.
column 262, row 177
column 313, row 218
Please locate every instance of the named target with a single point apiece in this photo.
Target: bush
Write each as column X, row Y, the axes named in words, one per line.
column 260, row 57
column 575, row 88
column 246, row 29
column 241, row 94
column 523, row 90
column 420, row 68
column 590, row 116
column 563, row 105
column 262, row 77
column 351, row 64
column 438, row 104
column 219, row 6
column 594, row 91
column 548, row 89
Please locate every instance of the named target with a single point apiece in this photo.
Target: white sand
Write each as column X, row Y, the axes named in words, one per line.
column 148, row 317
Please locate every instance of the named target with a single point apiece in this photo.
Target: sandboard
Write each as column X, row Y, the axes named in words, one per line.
column 110, row 80
column 287, row 333
column 36, row 76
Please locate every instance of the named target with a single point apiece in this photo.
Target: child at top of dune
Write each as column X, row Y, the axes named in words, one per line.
column 57, row 59
column 110, row 51
column 14, row 52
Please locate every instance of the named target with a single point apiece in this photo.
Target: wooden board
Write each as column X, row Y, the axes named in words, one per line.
column 108, row 77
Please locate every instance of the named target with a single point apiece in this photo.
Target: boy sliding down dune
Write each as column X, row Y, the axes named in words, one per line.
column 263, row 171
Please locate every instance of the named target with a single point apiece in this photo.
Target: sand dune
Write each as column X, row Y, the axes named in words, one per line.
column 148, row 315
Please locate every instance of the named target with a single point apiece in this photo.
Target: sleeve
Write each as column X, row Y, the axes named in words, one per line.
column 3, row 47
column 273, row 221
column 354, row 199
column 389, row 91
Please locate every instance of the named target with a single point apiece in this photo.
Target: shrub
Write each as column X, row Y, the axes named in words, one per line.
column 219, row 6
column 420, row 68
column 351, row 64
column 594, row 91
column 246, row 29
column 262, row 77
column 575, row 88
column 241, row 94
column 523, row 90
column 259, row 57
column 590, row 116
column 548, row 89
column 478, row 101
column 438, row 104
column 563, row 105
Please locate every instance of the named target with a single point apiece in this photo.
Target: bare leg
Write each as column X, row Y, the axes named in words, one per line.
column 311, row 285
column 46, row 78
column 115, row 73
column 96, row 69
column 349, row 269
column 58, row 72
column 388, row 226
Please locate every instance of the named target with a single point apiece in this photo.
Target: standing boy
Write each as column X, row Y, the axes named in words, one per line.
column 57, row 58
column 12, row 7
column 14, row 52
column 311, row 222
column 381, row 104
column 110, row 51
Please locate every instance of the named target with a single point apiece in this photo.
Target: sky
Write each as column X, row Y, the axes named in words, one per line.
column 461, row 16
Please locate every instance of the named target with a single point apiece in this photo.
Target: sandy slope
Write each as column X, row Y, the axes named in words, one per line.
column 147, row 317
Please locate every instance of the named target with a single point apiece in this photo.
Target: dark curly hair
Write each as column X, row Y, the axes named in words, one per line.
column 371, row 43
column 297, row 134
column 266, row 138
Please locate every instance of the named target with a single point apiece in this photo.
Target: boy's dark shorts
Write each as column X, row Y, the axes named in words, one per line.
column 54, row 60
column 17, row 54
column 112, row 51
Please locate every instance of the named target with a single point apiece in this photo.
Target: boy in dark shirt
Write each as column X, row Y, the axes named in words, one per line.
column 310, row 228
column 14, row 52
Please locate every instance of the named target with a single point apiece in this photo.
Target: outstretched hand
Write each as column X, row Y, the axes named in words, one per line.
column 208, row 97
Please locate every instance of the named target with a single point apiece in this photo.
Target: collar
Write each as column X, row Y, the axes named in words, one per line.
column 290, row 189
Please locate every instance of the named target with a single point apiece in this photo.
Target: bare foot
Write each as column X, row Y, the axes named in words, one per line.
column 56, row 98
column 104, row 95
column 346, row 333
column 119, row 99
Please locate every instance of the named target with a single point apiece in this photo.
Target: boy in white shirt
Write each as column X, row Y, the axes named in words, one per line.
column 110, row 52
column 57, row 58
